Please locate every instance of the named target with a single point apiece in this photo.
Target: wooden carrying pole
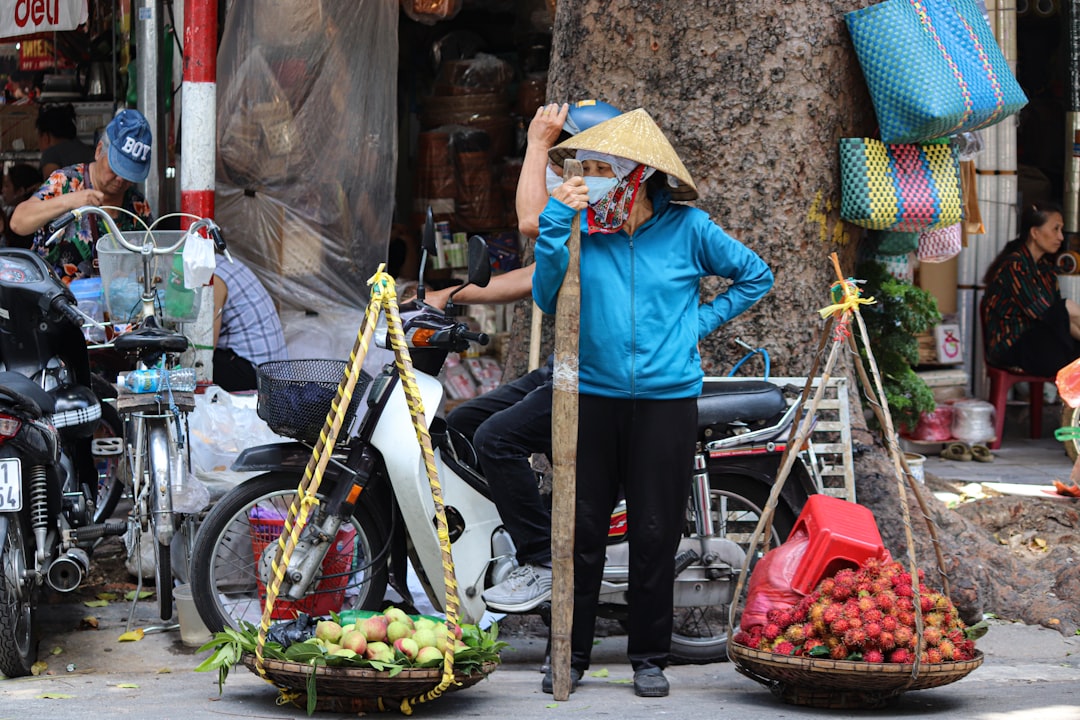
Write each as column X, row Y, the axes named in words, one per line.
column 564, row 433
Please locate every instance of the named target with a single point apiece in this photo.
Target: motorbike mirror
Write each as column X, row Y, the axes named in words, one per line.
column 479, row 262
column 427, row 249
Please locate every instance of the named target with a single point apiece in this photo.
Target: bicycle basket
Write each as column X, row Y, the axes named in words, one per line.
column 294, row 396
column 122, row 278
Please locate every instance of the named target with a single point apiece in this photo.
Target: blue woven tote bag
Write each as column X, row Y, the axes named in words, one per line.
column 933, row 68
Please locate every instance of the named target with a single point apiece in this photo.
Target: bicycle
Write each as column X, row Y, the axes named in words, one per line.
column 154, row 415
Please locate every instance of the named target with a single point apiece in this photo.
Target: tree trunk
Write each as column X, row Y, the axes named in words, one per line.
column 754, row 97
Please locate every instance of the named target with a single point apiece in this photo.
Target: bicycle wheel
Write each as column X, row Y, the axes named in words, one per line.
column 239, row 536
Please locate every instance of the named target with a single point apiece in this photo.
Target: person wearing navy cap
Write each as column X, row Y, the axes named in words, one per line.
column 121, row 159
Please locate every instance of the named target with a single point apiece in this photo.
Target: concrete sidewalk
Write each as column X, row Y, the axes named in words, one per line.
column 1029, row 672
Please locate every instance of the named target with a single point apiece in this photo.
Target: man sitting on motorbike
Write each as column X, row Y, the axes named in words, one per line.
column 511, row 423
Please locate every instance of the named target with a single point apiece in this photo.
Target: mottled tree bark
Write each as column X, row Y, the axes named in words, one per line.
column 754, row 97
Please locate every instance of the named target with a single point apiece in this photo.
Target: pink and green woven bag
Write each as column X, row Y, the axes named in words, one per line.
column 902, row 188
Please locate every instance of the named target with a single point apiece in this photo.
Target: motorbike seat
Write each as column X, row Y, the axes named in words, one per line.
column 26, row 394
column 724, row 402
column 151, row 339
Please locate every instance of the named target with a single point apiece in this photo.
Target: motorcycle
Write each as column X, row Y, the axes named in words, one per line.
column 49, row 473
column 376, row 509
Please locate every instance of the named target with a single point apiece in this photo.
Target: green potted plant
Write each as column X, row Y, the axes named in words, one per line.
column 900, row 313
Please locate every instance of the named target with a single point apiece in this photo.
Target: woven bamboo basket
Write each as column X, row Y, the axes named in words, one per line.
column 848, row 684
column 357, row 689
column 825, row 683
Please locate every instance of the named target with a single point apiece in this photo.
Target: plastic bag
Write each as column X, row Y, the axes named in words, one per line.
column 199, row 262
column 770, row 583
column 1068, row 383
column 221, row 426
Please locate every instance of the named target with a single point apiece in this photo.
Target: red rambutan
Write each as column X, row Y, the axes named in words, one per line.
column 889, row 623
column 900, row 655
column 838, row 652
column 873, row 630
column 947, row 650
column 874, row 656
column 855, row 637
column 904, row 636
column 772, row 631
column 783, row 648
column 886, row 641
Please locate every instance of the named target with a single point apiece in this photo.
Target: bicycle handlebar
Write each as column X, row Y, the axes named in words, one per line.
column 56, row 227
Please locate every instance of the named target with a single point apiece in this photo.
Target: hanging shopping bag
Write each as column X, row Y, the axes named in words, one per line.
column 938, row 246
column 885, row 242
column 903, row 188
column 933, row 68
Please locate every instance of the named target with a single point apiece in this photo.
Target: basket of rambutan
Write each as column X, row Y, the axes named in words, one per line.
column 860, row 639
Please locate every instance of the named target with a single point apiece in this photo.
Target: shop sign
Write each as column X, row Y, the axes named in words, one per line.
column 26, row 17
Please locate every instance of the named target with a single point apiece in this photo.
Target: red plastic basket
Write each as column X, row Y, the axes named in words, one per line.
column 329, row 594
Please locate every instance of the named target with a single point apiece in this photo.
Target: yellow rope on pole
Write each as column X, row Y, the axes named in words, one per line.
column 296, row 519
column 383, row 298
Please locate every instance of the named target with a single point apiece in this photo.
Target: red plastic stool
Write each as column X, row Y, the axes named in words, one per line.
column 841, row 533
column 1000, row 382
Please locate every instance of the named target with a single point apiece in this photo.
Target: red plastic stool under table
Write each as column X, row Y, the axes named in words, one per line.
column 841, row 534
column 1000, row 382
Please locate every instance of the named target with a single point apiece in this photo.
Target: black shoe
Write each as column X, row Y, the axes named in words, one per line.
column 650, row 682
column 548, row 686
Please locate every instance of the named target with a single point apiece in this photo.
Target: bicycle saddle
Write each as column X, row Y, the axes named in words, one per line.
column 150, row 338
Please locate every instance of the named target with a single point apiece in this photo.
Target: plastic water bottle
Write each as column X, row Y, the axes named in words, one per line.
column 148, row 381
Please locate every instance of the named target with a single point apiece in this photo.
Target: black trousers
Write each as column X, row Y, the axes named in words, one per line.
column 233, row 373
column 1045, row 347
column 645, row 448
column 508, row 425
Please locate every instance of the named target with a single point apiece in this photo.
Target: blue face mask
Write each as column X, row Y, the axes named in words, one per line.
column 551, row 180
column 599, row 187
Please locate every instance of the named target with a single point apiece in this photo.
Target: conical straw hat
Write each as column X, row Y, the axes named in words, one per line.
column 634, row 136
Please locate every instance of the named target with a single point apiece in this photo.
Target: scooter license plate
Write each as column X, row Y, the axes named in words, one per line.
column 10, row 484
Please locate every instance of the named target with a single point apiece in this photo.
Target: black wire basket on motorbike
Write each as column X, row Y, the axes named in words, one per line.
column 294, row 396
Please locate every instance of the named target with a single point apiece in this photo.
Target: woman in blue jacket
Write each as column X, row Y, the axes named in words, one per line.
column 639, row 370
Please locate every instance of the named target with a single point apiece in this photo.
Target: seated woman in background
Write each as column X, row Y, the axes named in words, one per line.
column 20, row 182
column 1028, row 324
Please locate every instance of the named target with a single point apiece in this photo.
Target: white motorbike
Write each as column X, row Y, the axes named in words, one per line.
column 376, row 510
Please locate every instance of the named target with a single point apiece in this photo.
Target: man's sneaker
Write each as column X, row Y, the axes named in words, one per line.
column 525, row 588
column 548, row 684
column 650, row 682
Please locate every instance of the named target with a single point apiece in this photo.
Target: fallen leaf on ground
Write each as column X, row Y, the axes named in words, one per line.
column 127, row 685
column 132, row 635
column 96, row 603
column 162, row 671
column 107, row 596
column 142, row 595
column 54, row 696
column 39, row 667
column 89, row 622
column 601, row 673
column 57, row 650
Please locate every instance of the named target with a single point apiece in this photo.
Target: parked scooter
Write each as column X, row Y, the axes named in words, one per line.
column 48, row 477
column 376, row 507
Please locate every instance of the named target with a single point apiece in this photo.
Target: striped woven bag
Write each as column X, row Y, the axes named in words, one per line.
column 903, row 188
column 933, row 68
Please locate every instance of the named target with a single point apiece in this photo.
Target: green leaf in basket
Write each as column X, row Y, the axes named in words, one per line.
column 312, row 688
column 395, row 670
column 303, row 653
column 819, row 651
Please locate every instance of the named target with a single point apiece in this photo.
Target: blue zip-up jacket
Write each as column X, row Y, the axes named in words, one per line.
column 641, row 316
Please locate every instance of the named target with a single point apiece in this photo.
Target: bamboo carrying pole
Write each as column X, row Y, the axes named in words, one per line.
column 564, row 431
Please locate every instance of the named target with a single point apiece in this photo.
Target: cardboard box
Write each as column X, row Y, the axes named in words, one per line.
column 940, row 280
column 17, row 131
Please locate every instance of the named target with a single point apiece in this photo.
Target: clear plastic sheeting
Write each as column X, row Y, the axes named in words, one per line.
column 307, row 153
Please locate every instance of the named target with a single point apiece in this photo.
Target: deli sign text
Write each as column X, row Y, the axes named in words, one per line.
column 26, row 17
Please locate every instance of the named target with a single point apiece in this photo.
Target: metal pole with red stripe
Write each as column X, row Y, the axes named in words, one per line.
column 198, row 142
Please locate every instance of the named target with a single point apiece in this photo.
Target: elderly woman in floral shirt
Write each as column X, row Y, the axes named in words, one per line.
column 122, row 158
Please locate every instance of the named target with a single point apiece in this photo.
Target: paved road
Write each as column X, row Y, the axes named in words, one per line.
column 1029, row 672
